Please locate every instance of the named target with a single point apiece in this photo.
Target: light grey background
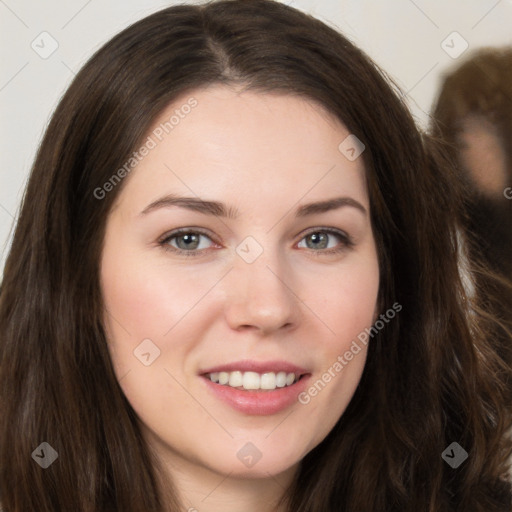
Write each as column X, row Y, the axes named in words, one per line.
column 405, row 37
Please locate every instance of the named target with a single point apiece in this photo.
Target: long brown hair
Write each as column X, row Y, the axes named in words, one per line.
column 431, row 377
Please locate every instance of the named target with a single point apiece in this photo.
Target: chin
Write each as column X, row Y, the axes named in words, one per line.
column 258, row 458
column 260, row 470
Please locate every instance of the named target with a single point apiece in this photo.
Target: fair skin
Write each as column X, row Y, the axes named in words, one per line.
column 265, row 155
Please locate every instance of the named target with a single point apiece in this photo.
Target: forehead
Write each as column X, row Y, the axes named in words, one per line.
column 246, row 146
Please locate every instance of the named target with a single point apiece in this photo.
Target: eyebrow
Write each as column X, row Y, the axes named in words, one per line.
column 220, row 209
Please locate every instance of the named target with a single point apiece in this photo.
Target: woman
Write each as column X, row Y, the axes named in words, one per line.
column 234, row 285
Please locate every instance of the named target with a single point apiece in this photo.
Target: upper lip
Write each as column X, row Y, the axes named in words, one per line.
column 256, row 366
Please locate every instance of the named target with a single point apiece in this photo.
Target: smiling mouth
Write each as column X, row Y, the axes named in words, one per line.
column 253, row 381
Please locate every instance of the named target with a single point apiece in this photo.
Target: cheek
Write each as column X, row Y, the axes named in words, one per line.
column 148, row 319
column 349, row 304
column 142, row 301
column 138, row 301
column 146, row 292
column 349, row 309
column 156, row 308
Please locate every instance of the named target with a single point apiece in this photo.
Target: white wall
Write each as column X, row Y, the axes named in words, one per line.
column 402, row 36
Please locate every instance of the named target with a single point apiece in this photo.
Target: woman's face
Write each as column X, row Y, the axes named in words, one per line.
column 266, row 291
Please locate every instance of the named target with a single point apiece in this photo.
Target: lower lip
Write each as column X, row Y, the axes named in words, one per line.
column 258, row 402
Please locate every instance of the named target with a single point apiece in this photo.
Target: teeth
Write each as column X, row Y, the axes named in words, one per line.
column 235, row 379
column 281, row 380
column 253, row 380
column 268, row 381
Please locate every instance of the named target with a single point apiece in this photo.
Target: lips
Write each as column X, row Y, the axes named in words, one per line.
column 255, row 387
column 257, row 366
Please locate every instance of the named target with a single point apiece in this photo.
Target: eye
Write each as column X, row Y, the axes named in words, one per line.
column 187, row 241
column 319, row 239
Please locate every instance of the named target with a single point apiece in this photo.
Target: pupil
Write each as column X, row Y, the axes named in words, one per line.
column 189, row 239
column 315, row 237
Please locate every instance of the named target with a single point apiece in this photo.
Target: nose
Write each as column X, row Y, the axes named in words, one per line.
column 261, row 296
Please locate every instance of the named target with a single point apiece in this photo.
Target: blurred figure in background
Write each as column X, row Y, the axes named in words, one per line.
column 473, row 113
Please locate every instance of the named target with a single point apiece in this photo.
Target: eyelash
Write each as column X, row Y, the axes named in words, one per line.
column 346, row 241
